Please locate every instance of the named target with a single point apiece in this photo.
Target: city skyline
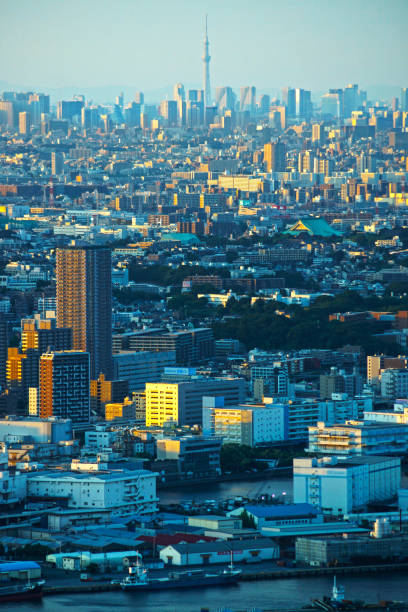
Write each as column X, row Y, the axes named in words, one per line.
column 330, row 39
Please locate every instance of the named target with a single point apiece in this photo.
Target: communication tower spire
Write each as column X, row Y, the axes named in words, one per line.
column 206, row 61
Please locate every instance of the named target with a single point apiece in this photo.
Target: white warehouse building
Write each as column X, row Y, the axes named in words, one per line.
column 209, row 553
column 339, row 485
column 122, row 491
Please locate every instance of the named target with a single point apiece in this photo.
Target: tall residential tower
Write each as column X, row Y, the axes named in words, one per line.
column 84, row 303
column 206, row 59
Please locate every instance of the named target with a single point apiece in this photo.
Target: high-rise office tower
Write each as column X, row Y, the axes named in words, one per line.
column 195, row 113
column 182, row 112
column 3, row 350
column 404, row 99
column 332, row 103
column 132, row 114
column 139, row 97
column 289, row 100
column 39, row 104
column 120, row 99
column 275, row 156
column 84, row 303
column 24, row 122
column 90, row 117
column 303, row 103
column 264, row 103
column 350, row 99
column 68, row 109
column 248, row 99
column 64, row 386
column 57, row 163
column 168, row 110
column 277, row 116
column 206, row 60
column 225, row 98
column 178, row 92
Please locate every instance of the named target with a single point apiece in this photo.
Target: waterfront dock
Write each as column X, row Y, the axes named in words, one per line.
column 98, row 587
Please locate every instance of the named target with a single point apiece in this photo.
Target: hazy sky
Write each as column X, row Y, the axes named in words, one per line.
column 148, row 44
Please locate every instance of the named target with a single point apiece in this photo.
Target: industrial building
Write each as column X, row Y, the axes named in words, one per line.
column 353, row 549
column 124, row 491
column 280, row 514
column 19, row 570
column 339, row 485
column 209, row 553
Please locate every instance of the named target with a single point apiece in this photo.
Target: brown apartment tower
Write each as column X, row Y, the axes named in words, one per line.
column 84, row 303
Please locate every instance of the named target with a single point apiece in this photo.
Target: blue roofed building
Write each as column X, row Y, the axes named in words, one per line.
column 280, row 515
column 19, row 570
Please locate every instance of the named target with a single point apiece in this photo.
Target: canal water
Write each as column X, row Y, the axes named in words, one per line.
column 265, row 595
column 281, row 487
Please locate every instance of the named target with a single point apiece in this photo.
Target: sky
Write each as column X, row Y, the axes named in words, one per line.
column 150, row 44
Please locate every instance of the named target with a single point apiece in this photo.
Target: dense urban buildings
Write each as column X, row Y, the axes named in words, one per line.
column 197, row 286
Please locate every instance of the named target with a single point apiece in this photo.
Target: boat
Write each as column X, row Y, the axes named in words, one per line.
column 27, row 591
column 139, row 579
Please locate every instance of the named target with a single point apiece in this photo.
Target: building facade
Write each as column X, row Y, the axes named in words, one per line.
column 359, row 438
column 141, row 367
column 64, row 386
column 84, row 303
column 341, row 485
column 122, row 491
column 181, row 402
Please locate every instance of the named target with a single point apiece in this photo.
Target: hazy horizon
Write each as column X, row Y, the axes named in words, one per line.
column 148, row 46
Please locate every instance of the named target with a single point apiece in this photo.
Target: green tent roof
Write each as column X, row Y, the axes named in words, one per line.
column 314, row 227
column 183, row 238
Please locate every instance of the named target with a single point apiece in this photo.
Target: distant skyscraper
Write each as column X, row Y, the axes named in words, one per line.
column 225, row 98
column 178, row 92
column 350, row 99
column 64, row 386
column 168, row 110
column 264, row 103
column 248, row 99
column 132, row 114
column 206, row 60
column 303, row 103
column 119, row 100
column 24, row 122
column 84, row 303
column 332, row 103
column 7, row 113
column 404, row 99
column 139, row 97
column 289, row 100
